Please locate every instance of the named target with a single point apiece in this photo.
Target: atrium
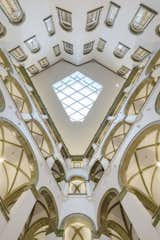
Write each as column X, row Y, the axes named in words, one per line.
column 79, row 120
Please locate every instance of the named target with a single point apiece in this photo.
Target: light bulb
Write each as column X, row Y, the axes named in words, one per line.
column 158, row 164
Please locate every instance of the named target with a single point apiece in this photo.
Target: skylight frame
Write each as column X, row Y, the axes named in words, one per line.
column 77, row 94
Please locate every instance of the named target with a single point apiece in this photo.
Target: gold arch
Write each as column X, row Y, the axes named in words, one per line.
column 112, row 218
column 18, row 167
column 139, row 171
column 58, row 171
column 114, row 140
column 96, row 172
column 18, row 95
column 43, row 218
column 140, row 96
column 41, row 138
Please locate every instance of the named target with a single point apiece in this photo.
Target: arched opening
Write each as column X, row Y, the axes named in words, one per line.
column 18, row 168
column 113, row 220
column 96, row 172
column 58, row 171
column 18, row 95
column 140, row 96
column 78, row 227
column 41, row 138
column 43, row 219
column 114, row 140
column 77, row 185
column 140, row 169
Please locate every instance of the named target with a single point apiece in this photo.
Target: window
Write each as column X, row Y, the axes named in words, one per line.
column 32, row 44
column 56, row 50
column 101, row 44
column 44, row 62
column 88, row 47
column 77, row 186
column 77, row 94
column 65, row 19
column 93, row 19
column 121, row 50
column 140, row 54
column 142, row 18
column 18, row 54
column 12, row 10
column 33, row 69
column 123, row 70
column 49, row 24
column 112, row 14
column 68, row 47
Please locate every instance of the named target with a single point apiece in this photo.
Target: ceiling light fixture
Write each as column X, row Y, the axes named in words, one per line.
column 93, row 19
column 49, row 24
column 18, row 54
column 12, row 10
column 32, row 44
column 112, row 14
column 142, row 18
column 1, row 159
column 158, row 164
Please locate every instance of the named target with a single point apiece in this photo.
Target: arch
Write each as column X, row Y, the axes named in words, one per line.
column 114, row 140
column 96, row 172
column 18, row 167
column 112, row 219
column 43, row 218
column 18, row 95
column 58, row 171
column 79, row 225
column 140, row 96
column 139, row 171
column 157, row 104
column 77, row 185
column 41, row 138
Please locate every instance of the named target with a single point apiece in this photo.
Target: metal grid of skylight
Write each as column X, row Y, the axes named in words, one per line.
column 77, row 94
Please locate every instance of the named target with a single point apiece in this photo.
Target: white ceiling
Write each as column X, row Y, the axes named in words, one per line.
column 78, row 135
column 37, row 10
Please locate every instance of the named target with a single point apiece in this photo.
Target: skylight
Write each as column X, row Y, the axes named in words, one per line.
column 77, row 94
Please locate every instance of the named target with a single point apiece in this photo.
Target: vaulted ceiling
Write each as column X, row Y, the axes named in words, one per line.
column 77, row 26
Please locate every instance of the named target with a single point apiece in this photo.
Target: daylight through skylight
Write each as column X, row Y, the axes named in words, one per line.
column 77, row 94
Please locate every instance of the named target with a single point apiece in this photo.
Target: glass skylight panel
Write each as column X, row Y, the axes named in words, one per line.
column 77, row 94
